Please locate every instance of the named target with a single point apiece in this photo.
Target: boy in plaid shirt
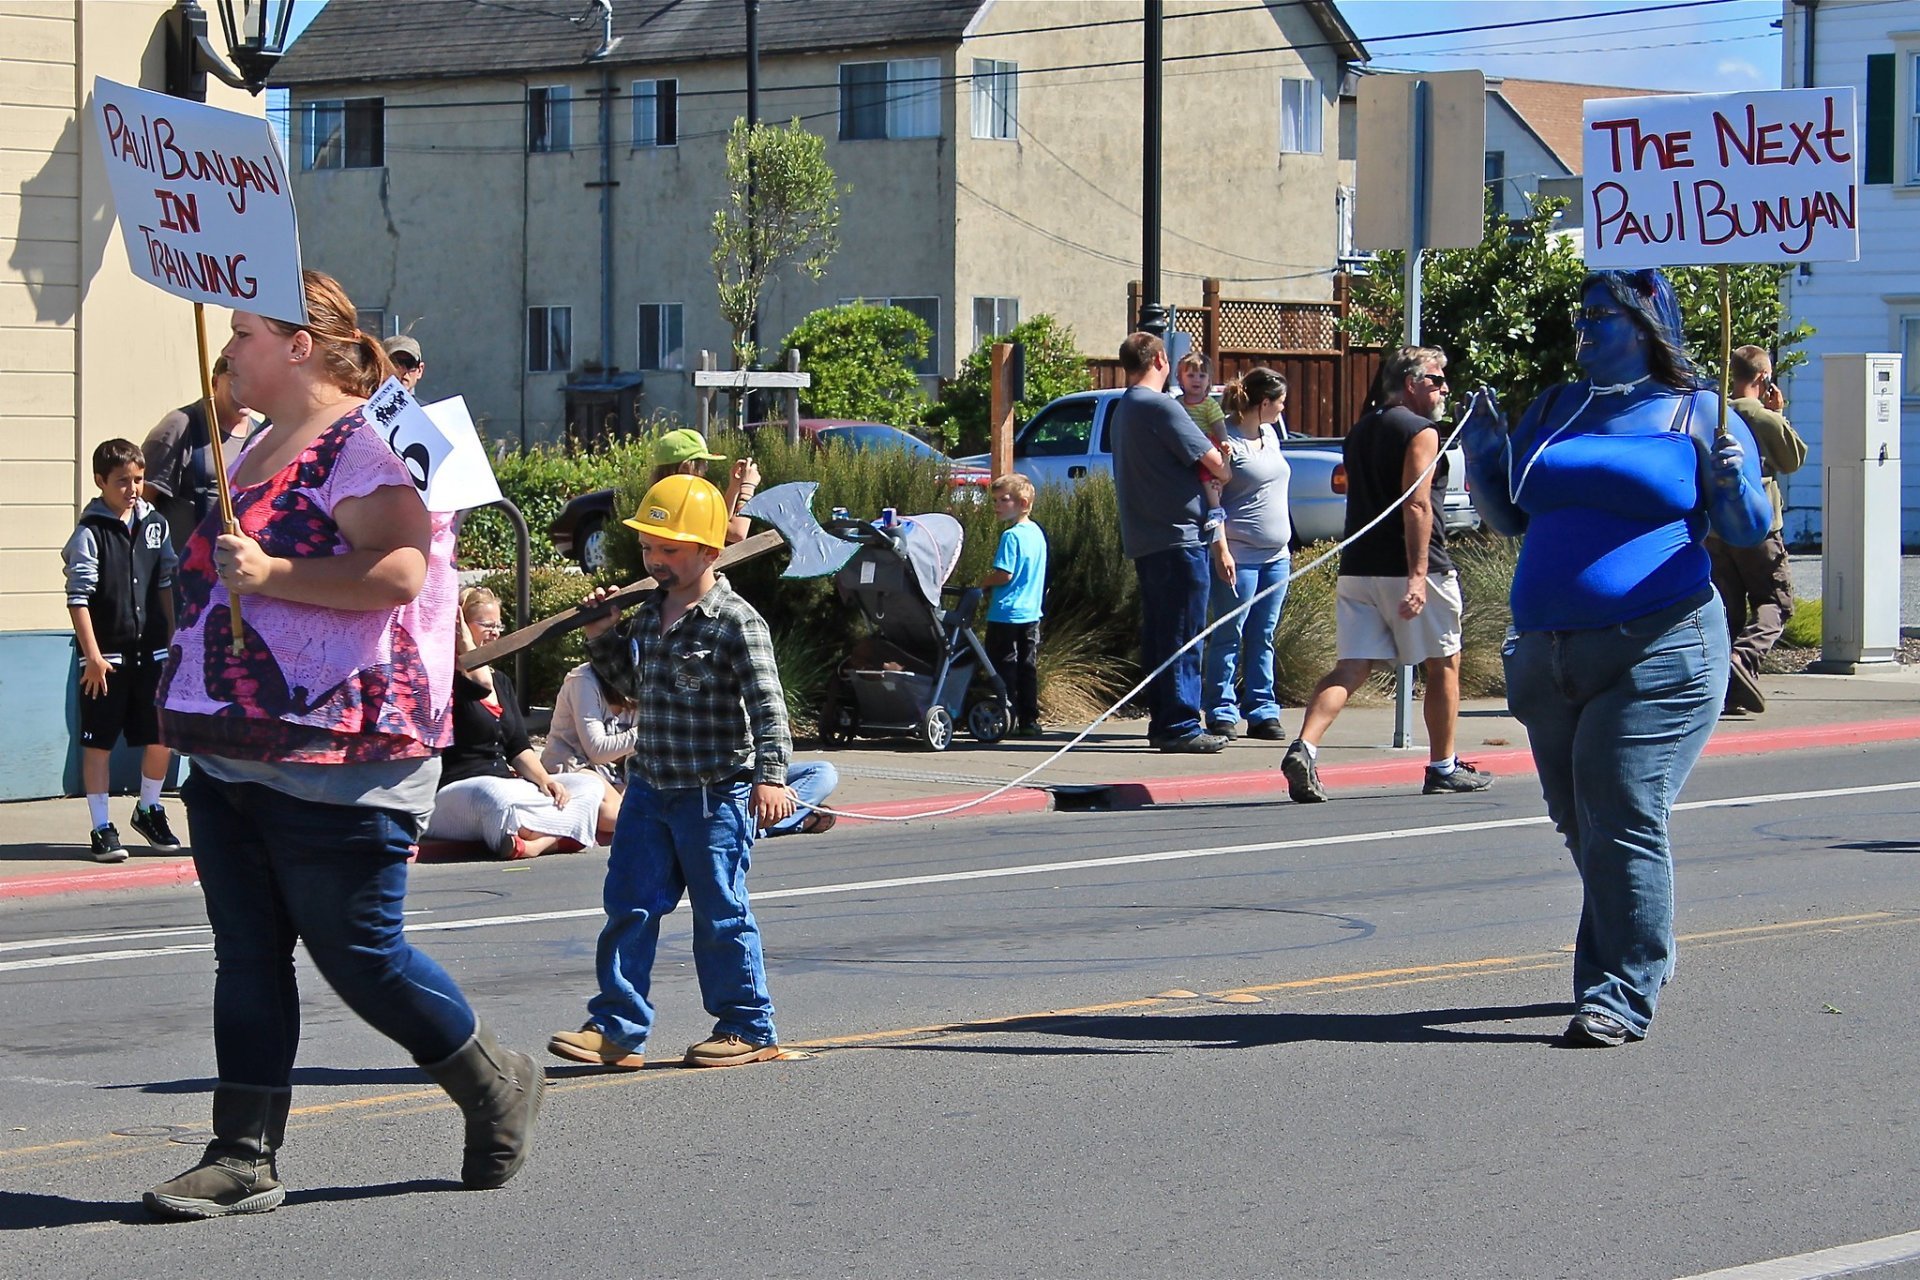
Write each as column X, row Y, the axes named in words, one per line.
column 709, row 769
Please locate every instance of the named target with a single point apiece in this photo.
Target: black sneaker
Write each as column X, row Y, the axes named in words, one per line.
column 1224, row 729
column 1591, row 1029
column 1267, row 731
column 107, row 846
column 1199, row 744
column 1303, row 779
column 1031, row 730
column 1463, row 778
column 152, row 825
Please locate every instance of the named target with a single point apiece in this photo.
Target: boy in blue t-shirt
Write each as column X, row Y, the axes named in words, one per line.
column 1018, row 579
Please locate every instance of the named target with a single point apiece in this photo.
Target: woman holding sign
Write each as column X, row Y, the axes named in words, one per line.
column 315, row 740
column 1617, row 660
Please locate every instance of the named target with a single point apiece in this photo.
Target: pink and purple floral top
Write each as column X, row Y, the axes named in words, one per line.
column 311, row 685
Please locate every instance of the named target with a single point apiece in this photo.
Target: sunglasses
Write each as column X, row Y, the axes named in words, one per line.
column 1432, row 379
column 1596, row 315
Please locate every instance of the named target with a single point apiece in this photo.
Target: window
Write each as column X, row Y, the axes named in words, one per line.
column 549, row 118
column 1913, row 119
column 898, row 99
column 377, row 321
column 344, row 133
column 1062, row 431
column 1300, row 116
column 994, row 318
column 1910, row 357
column 549, row 339
column 662, row 344
column 656, row 113
column 996, row 94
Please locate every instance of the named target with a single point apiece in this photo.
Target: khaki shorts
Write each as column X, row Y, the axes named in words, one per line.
column 1368, row 613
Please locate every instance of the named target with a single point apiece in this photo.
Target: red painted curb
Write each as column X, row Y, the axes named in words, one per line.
column 159, row 876
column 1255, row 784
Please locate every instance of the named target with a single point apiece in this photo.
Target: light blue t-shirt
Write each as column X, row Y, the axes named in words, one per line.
column 1023, row 553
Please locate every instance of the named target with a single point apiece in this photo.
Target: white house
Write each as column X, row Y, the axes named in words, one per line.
column 1872, row 304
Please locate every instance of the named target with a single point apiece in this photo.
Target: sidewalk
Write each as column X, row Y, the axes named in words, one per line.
column 1113, row 769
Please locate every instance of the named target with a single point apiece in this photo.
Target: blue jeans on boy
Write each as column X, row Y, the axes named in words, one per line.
column 1617, row 716
column 274, row 868
column 696, row 841
column 1244, row 647
column 1173, row 610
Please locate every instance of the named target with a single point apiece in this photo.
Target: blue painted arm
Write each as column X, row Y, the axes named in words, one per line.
column 1484, row 439
column 1737, row 506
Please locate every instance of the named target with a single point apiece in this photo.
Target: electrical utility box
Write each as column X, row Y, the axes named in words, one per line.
column 1860, row 511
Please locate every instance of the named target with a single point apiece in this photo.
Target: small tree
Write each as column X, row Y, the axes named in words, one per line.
column 861, row 358
column 782, row 208
column 1503, row 310
column 1055, row 368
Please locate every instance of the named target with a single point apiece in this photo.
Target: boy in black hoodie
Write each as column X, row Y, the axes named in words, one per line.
column 120, row 566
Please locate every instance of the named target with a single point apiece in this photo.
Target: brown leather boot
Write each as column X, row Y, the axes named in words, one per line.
column 236, row 1173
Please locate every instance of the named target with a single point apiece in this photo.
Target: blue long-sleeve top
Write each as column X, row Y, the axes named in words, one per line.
column 1614, row 494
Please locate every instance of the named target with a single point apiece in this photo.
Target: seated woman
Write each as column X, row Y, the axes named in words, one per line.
column 593, row 731
column 493, row 788
column 1617, row 660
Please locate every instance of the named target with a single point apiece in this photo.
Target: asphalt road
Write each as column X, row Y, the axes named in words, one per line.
column 1003, row 1077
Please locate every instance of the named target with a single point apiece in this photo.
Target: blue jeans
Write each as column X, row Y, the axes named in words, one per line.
column 812, row 782
column 1616, row 717
column 692, row 840
column 1173, row 610
column 273, row 869
column 1245, row 645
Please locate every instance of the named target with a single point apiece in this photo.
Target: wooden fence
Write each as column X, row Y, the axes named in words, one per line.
column 1327, row 378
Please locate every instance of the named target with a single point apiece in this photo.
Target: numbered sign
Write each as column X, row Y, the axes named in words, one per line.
column 440, row 446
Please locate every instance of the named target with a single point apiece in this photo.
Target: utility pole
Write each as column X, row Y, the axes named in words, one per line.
column 1153, row 315
column 753, row 118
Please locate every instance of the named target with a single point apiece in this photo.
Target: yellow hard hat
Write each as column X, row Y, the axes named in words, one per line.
column 683, row 509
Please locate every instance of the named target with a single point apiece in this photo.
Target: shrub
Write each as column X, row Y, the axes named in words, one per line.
column 861, row 358
column 540, row 482
column 1486, row 562
column 1803, row 629
column 1055, row 368
column 550, row 591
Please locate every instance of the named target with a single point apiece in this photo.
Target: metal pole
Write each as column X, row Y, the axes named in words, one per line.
column 1416, row 241
column 753, row 118
column 1153, row 315
column 522, row 591
column 606, row 221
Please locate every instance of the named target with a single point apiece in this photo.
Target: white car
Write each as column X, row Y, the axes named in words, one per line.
column 1068, row 440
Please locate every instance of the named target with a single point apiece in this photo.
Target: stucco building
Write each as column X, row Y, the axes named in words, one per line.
column 536, row 215
column 87, row 351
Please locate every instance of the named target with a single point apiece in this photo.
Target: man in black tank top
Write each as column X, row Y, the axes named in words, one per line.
column 1398, row 598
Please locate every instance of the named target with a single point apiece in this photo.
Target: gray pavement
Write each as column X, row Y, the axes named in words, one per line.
column 1113, row 768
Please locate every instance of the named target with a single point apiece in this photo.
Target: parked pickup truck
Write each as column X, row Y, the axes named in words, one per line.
column 1067, row 441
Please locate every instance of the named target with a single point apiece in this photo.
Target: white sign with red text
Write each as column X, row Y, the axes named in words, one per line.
column 203, row 200
column 1691, row 179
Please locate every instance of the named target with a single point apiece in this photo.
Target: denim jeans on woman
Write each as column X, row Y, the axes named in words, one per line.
column 696, row 841
column 1243, row 648
column 1616, row 717
column 274, row 869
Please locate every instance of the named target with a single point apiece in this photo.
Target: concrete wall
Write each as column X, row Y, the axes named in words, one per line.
column 462, row 230
column 1855, row 306
column 87, row 351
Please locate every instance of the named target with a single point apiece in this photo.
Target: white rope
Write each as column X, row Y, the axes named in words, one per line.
column 1126, row 697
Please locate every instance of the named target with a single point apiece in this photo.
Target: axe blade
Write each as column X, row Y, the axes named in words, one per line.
column 789, row 508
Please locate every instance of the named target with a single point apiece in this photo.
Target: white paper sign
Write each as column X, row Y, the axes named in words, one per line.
column 203, row 200
column 439, row 444
column 1730, row 177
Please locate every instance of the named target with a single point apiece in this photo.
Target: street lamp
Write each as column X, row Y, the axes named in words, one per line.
column 256, row 32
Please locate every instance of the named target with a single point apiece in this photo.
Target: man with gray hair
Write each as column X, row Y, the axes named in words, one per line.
column 1398, row 597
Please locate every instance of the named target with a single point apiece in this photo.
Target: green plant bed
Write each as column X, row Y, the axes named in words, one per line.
column 541, row 481
column 1803, row 629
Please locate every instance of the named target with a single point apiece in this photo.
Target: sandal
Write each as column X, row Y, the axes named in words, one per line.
column 816, row 823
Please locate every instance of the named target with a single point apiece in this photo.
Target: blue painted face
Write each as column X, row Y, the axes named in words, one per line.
column 1610, row 346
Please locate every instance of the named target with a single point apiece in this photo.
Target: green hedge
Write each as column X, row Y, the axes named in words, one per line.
column 540, row 482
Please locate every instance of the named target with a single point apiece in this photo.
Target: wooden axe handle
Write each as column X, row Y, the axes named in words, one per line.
column 561, row 623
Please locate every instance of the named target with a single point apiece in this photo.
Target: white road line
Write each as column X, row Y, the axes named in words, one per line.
column 1846, row 1260
column 958, row 877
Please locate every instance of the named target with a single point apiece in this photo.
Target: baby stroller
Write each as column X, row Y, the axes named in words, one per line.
column 920, row 669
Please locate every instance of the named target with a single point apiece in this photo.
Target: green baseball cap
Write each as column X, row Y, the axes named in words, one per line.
column 684, row 445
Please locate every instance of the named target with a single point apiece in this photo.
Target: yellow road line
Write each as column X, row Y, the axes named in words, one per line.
column 419, row 1101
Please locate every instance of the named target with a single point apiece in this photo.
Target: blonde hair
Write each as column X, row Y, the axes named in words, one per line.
column 353, row 359
column 473, row 597
column 1195, row 359
column 1015, row 484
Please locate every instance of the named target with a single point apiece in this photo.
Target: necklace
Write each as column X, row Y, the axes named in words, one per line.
column 1611, row 389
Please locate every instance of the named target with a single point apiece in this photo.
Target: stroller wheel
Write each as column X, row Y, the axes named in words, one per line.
column 989, row 720
column 937, row 729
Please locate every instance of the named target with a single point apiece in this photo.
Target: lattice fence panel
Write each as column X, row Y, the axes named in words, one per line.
column 1252, row 325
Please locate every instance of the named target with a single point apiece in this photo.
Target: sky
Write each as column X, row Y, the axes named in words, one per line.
column 1701, row 46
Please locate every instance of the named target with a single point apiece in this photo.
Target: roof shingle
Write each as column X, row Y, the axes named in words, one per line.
column 1552, row 110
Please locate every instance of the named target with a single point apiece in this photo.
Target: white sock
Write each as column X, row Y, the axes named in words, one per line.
column 1444, row 767
column 97, row 809
column 1313, row 752
column 150, row 791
